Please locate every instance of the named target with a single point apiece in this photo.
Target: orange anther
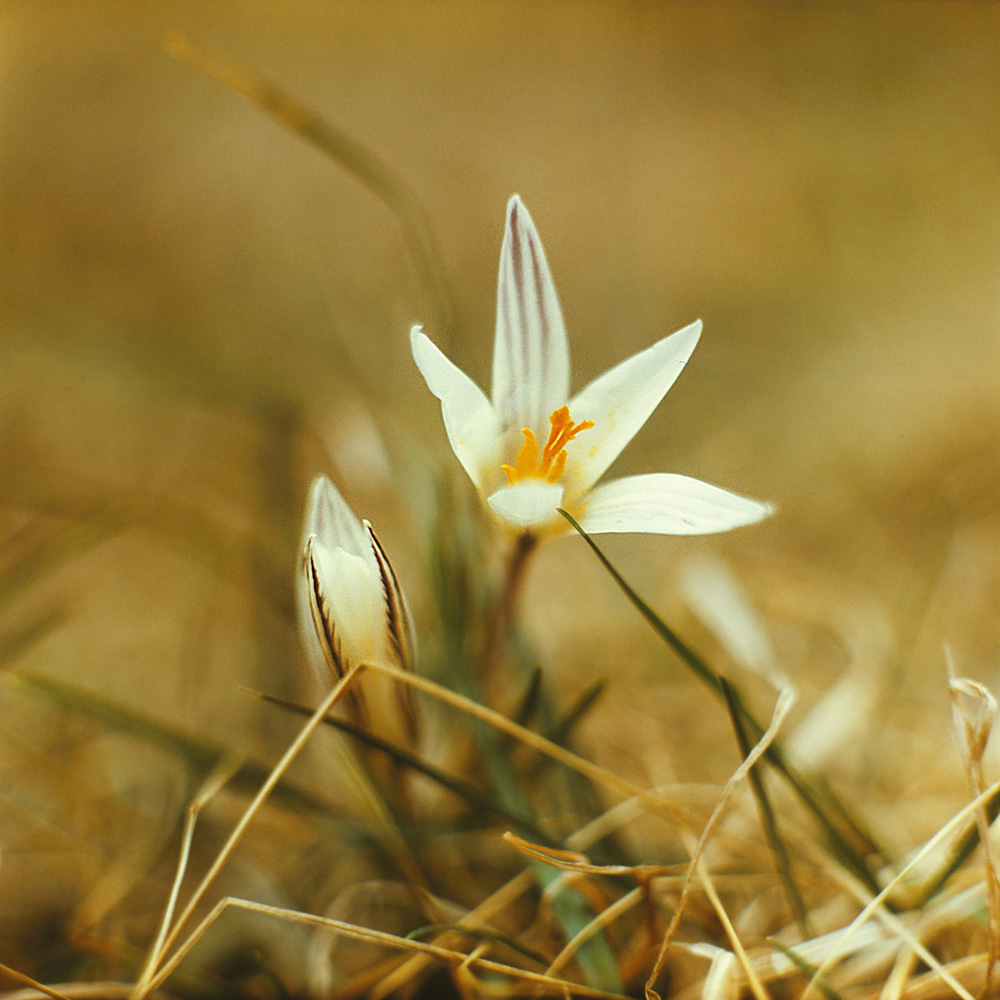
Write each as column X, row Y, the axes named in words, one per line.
column 553, row 456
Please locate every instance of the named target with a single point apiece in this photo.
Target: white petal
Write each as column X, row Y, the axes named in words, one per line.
column 530, row 352
column 330, row 519
column 331, row 524
column 468, row 416
column 527, row 504
column 352, row 600
column 398, row 621
column 620, row 401
column 668, row 505
column 400, row 639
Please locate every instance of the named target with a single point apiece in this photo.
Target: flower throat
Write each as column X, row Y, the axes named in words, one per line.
column 549, row 463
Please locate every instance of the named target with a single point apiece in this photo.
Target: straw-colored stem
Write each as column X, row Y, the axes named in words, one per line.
column 336, row 692
column 541, row 981
column 219, row 776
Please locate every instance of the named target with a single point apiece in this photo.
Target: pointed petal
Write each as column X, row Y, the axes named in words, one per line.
column 398, row 625
column 311, row 628
column 350, row 592
column 331, row 524
column 529, row 504
column 468, row 416
column 325, row 643
column 530, row 352
column 621, row 400
column 399, row 631
column 330, row 519
column 667, row 504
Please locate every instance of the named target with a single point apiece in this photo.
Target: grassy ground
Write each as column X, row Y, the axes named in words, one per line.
column 202, row 310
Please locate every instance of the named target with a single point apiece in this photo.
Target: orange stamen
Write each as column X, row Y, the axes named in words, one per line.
column 553, row 456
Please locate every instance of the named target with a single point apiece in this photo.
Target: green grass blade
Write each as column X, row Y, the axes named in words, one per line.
column 16, row 641
column 808, row 970
column 574, row 715
column 818, row 802
column 474, row 796
column 779, row 849
column 959, row 855
column 200, row 754
column 595, row 957
column 478, row 934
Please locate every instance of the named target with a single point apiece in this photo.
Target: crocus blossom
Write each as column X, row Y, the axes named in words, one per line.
column 351, row 605
column 532, row 449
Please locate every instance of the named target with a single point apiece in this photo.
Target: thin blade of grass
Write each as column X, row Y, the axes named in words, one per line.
column 574, row 715
column 147, row 986
column 16, row 641
column 808, row 970
column 541, row 983
column 597, row 959
column 20, row 977
column 201, row 754
column 531, row 699
column 816, row 802
column 779, row 849
column 474, row 796
column 961, row 853
column 386, row 183
column 478, row 934
column 49, row 548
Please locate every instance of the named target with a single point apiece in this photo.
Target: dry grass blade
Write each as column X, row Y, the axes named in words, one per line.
column 199, row 753
column 541, row 982
column 807, row 970
column 875, row 905
column 375, row 174
column 961, row 852
column 819, row 803
column 782, row 708
column 20, row 977
column 574, row 861
column 477, row 918
column 211, row 787
column 756, row 986
column 483, row 935
column 652, row 800
column 152, row 982
column 779, row 849
column 974, row 710
column 472, row 794
column 100, row 990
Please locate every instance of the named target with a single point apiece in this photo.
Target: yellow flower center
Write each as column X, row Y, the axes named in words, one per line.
column 550, row 464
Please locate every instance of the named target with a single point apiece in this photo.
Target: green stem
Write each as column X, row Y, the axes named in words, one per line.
column 774, row 754
column 779, row 849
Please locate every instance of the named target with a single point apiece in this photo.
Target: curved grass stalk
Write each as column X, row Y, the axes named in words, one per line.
column 876, row 905
column 815, row 801
column 541, row 981
column 353, row 156
column 152, row 979
column 785, row 701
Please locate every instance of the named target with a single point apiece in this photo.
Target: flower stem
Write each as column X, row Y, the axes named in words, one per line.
column 499, row 623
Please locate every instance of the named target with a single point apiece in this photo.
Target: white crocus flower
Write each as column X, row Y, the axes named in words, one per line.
column 351, row 605
column 523, row 481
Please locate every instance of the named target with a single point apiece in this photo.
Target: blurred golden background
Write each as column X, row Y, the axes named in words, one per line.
column 201, row 311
